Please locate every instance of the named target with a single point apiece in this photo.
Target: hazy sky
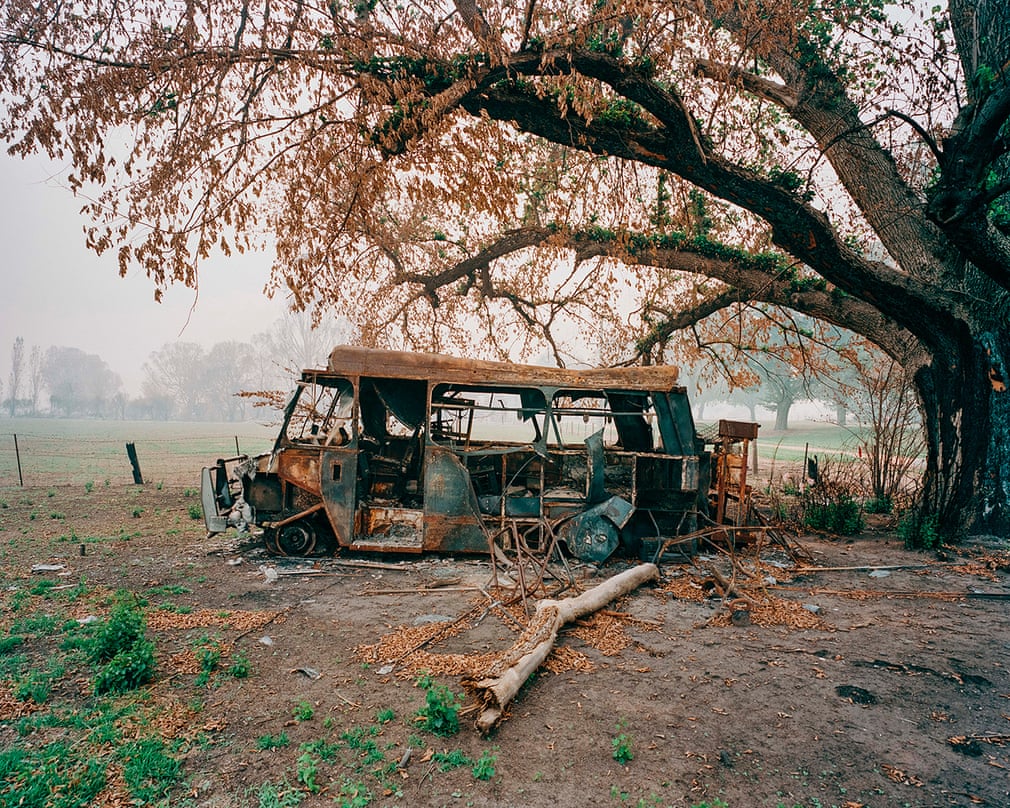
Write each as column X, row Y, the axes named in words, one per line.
column 56, row 292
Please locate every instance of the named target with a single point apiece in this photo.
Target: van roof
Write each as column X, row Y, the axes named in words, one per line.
column 351, row 360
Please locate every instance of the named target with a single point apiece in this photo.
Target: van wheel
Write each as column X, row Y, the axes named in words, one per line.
column 270, row 540
column 297, row 539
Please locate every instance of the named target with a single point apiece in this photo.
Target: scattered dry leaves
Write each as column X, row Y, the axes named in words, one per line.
column 13, row 708
column 768, row 610
column 604, row 632
column 898, row 776
column 205, row 618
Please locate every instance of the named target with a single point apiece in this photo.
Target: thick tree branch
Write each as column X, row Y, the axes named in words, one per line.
column 797, row 227
column 774, row 91
column 777, row 285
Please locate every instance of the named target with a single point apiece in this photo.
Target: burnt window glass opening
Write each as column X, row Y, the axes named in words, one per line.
column 461, row 415
column 626, row 419
column 320, row 412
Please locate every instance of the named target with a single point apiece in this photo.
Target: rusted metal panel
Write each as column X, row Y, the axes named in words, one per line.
column 738, row 430
column 453, row 519
column 338, row 475
column 388, row 528
column 298, row 466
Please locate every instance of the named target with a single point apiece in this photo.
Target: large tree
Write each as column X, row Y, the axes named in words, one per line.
column 553, row 164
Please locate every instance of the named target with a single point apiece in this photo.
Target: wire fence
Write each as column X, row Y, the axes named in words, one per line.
column 52, row 453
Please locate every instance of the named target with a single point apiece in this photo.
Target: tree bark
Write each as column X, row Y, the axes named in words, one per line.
column 966, row 404
column 502, row 681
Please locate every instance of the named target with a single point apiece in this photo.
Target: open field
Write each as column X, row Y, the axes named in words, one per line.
column 305, row 689
column 64, row 451
column 55, row 451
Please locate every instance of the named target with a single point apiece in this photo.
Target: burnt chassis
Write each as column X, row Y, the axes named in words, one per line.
column 393, row 461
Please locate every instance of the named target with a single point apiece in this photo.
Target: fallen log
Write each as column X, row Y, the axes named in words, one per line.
column 500, row 683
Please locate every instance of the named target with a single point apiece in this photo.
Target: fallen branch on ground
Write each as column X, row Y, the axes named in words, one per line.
column 501, row 682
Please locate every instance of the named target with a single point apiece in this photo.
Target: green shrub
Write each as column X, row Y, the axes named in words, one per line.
column 120, row 645
column 440, row 714
column 127, row 670
column 195, row 512
column 839, row 514
column 124, row 627
column 919, row 532
column 878, row 505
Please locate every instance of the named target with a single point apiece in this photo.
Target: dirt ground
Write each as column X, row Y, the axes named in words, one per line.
column 880, row 679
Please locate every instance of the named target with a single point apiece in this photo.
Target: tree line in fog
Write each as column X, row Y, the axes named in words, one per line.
column 181, row 380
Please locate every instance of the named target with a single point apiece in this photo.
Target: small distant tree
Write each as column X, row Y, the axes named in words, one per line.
column 228, row 368
column 176, row 372
column 17, row 371
column 35, row 361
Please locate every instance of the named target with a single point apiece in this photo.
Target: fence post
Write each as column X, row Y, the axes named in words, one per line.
column 17, row 454
column 131, row 452
column 236, row 446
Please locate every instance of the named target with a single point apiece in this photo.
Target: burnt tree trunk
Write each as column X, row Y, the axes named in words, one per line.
column 966, row 407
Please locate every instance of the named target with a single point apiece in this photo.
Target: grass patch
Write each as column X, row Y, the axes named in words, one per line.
column 63, row 751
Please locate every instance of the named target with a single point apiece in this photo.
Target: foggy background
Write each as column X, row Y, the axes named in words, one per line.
column 55, row 292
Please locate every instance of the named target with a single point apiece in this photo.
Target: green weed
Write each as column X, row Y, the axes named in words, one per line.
column 323, row 749
column 269, row 742
column 621, row 746
column 307, row 770
column 919, row 532
column 447, row 761
column 440, row 714
column 303, row 711
column 283, row 795
column 149, row 771
column 353, row 795
column 121, row 644
column 240, row 667
column 483, row 769
column 195, row 512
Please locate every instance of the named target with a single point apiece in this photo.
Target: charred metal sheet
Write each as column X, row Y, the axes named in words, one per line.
column 596, row 487
column 594, row 534
column 453, row 521
column 299, row 466
column 388, row 527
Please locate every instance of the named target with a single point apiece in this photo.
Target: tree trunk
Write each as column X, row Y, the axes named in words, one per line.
column 966, row 406
column 782, row 415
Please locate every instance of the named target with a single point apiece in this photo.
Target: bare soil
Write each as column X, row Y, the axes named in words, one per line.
column 884, row 684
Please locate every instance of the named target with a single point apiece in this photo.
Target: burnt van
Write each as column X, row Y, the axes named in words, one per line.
column 402, row 452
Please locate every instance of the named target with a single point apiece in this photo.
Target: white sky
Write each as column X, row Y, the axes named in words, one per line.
column 53, row 291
